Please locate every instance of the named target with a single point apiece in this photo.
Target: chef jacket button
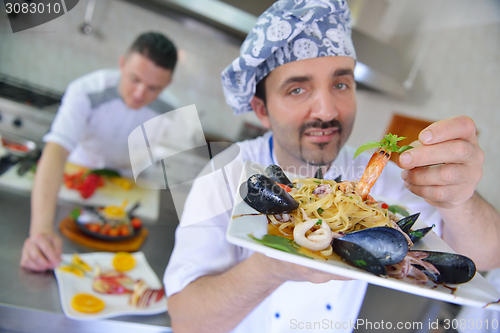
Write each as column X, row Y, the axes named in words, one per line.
column 328, row 307
column 277, row 315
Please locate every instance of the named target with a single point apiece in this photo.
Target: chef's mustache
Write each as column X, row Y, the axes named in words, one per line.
column 334, row 123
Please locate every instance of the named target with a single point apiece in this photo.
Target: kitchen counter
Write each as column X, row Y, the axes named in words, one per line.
column 29, row 302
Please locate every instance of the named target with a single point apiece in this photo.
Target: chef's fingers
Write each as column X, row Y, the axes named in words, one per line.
column 57, row 246
column 458, row 127
column 442, row 174
column 440, row 196
column 46, row 245
column 453, row 151
column 32, row 258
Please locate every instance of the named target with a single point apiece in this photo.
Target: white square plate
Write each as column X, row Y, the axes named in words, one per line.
column 477, row 292
column 116, row 305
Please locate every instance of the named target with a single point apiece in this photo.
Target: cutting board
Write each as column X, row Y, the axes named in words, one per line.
column 110, row 194
column 70, row 230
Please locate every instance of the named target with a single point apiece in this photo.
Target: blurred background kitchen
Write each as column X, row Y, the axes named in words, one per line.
column 422, row 59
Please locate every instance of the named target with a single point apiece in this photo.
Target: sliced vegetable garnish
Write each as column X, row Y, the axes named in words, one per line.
column 77, row 261
column 75, row 213
column 398, row 209
column 285, row 187
column 77, row 266
column 280, row 243
column 389, row 142
column 105, row 172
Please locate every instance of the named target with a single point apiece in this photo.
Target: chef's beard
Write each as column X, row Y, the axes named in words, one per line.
column 323, row 159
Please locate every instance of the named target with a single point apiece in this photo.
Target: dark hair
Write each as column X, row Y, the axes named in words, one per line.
column 157, row 48
column 260, row 90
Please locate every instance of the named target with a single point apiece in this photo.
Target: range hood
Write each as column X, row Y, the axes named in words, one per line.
column 379, row 67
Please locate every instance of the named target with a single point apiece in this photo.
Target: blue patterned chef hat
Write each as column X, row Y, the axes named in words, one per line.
column 289, row 30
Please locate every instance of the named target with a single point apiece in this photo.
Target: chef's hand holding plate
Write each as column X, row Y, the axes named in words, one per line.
column 283, row 271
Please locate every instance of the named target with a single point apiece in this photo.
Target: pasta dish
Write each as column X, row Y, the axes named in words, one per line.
column 327, row 210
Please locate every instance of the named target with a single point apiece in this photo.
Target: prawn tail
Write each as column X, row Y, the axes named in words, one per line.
column 377, row 163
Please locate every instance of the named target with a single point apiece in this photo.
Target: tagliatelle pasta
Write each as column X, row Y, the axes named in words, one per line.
column 337, row 204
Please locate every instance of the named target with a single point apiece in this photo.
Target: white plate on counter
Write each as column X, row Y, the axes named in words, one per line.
column 116, row 305
column 477, row 292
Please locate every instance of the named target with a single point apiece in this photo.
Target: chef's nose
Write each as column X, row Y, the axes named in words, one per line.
column 140, row 91
column 324, row 106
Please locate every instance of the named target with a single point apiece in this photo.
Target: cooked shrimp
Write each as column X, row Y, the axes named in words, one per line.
column 377, row 163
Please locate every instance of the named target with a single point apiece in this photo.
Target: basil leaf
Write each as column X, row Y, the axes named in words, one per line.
column 366, row 146
column 404, row 148
column 398, row 209
column 279, row 243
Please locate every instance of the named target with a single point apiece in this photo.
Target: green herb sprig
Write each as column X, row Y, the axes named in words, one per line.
column 389, row 142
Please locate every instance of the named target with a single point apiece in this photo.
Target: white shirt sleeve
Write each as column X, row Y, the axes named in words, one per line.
column 71, row 119
column 201, row 247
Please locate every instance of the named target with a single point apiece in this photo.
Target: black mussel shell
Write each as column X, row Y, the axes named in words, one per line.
column 338, row 179
column 406, row 223
column 453, row 268
column 319, row 174
column 265, row 196
column 388, row 245
column 417, row 235
column 359, row 257
column 277, row 174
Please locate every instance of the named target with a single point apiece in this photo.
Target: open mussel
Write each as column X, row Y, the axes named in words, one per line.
column 359, row 257
column 453, row 268
column 277, row 174
column 267, row 197
column 387, row 245
column 416, row 235
column 319, row 174
column 406, row 223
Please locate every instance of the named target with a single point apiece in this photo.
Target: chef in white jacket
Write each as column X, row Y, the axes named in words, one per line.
column 296, row 72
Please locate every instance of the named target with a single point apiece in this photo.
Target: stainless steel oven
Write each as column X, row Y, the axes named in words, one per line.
column 26, row 113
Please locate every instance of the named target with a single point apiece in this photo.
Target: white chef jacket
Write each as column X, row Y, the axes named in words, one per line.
column 201, row 248
column 93, row 122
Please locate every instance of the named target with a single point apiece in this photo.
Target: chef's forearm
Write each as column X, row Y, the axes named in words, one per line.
column 473, row 229
column 218, row 303
column 48, row 179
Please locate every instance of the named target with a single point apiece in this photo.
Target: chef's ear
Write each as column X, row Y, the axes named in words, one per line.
column 169, row 81
column 260, row 110
column 121, row 61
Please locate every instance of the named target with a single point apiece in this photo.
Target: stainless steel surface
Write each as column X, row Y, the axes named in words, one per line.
column 29, row 302
column 24, row 121
column 13, row 139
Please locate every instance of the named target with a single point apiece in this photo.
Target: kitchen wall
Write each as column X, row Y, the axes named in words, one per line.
column 460, row 75
column 54, row 54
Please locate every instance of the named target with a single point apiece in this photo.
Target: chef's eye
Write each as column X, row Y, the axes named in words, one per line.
column 340, row 86
column 296, row 91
